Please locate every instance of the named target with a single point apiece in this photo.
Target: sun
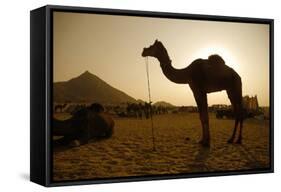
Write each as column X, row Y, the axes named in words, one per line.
column 226, row 54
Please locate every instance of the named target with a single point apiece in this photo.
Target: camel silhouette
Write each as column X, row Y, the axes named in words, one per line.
column 204, row 76
column 85, row 124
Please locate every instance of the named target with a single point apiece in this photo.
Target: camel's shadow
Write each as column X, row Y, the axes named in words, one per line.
column 203, row 154
column 200, row 159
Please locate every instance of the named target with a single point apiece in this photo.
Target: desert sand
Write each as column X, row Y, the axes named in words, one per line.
column 129, row 152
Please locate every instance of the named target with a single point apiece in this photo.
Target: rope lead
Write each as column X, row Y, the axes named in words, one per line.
column 149, row 98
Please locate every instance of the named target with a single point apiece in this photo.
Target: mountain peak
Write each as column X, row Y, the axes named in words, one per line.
column 86, row 73
column 90, row 88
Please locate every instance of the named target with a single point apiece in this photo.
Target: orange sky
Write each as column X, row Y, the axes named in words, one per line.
column 110, row 47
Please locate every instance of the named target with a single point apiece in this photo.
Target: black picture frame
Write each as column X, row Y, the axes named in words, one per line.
column 41, row 75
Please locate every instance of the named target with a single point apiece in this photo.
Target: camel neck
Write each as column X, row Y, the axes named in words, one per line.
column 180, row 76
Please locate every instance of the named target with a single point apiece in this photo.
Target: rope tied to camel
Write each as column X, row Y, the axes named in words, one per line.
column 149, row 99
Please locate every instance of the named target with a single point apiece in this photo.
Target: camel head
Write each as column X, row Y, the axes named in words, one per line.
column 153, row 50
column 97, row 108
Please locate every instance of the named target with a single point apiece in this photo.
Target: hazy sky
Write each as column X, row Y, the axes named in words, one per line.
column 111, row 46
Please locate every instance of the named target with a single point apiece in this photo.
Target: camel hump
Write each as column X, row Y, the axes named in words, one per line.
column 216, row 59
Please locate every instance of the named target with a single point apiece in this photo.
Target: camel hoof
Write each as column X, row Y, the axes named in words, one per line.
column 204, row 143
column 230, row 140
column 238, row 142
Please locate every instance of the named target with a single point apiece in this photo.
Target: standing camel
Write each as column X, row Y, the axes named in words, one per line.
column 204, row 76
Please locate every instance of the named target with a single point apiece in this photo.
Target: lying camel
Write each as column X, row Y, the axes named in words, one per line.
column 85, row 124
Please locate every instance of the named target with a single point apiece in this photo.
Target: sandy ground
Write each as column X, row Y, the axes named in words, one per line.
column 129, row 151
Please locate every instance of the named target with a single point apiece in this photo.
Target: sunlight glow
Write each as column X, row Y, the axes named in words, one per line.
column 229, row 58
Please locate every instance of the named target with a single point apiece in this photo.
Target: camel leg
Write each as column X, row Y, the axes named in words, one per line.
column 239, row 140
column 232, row 99
column 231, row 139
column 201, row 100
column 65, row 129
column 236, row 101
